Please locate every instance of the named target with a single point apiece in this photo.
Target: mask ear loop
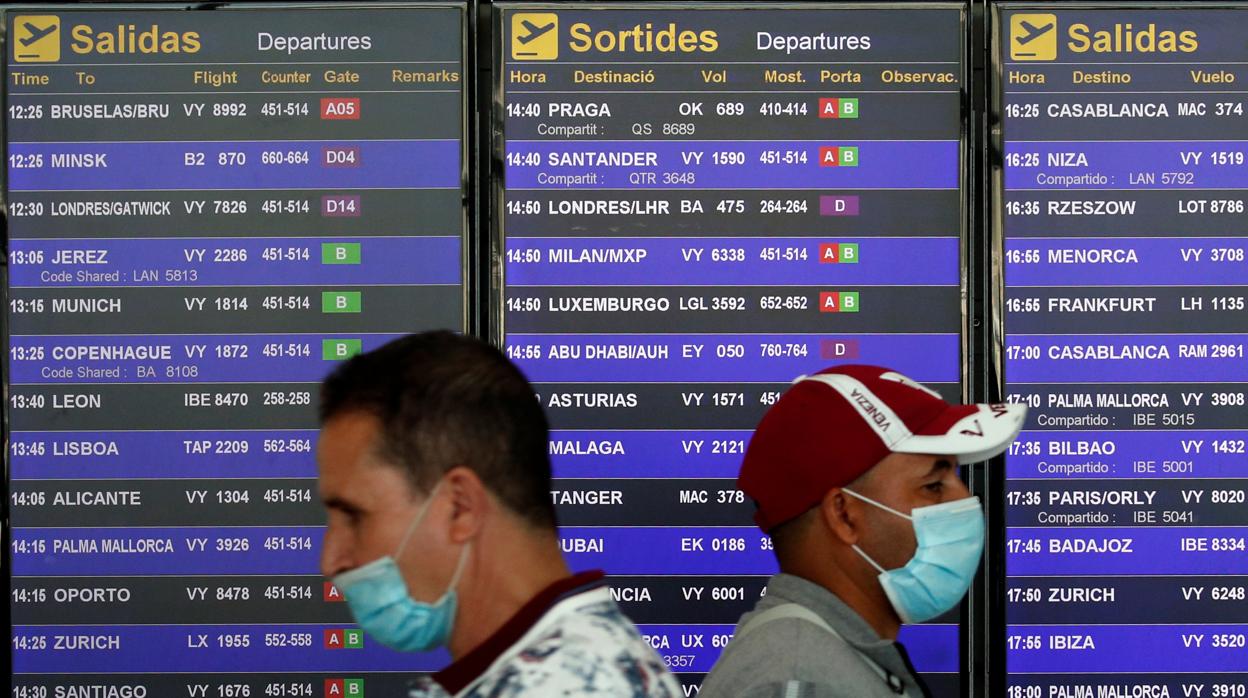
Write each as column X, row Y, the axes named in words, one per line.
column 411, row 529
column 866, row 557
column 885, row 507
column 459, row 567
column 463, row 555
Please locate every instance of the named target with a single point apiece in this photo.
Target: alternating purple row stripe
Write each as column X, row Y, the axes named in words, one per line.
column 233, row 165
column 1092, row 455
column 94, row 455
column 90, row 455
column 182, row 359
column 1113, row 550
column 1125, row 165
column 781, row 357
column 1126, row 358
column 250, row 550
column 732, row 261
column 1129, row 649
column 1125, row 262
column 691, row 165
column 273, row 648
column 252, row 261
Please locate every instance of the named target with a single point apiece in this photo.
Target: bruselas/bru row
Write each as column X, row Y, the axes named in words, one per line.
column 793, row 195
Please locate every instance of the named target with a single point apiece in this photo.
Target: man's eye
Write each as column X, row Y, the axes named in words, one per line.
column 937, row 486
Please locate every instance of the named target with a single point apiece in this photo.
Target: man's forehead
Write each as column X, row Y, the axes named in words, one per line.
column 914, row 464
column 347, row 450
column 349, row 433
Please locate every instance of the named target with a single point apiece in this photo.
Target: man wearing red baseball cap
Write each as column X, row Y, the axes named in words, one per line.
column 854, row 473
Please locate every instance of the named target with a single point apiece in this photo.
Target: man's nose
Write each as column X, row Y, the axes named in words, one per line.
column 335, row 553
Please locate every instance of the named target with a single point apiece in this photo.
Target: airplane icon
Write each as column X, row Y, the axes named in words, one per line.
column 1033, row 32
column 534, row 31
column 38, row 39
column 535, row 36
column 1033, row 37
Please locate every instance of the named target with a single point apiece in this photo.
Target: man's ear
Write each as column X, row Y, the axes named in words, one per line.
column 841, row 515
column 470, row 504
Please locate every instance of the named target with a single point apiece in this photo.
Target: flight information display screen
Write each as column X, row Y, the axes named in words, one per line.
column 206, row 212
column 697, row 205
column 1123, row 193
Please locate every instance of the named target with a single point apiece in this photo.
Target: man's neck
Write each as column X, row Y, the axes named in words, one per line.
column 505, row 580
column 870, row 604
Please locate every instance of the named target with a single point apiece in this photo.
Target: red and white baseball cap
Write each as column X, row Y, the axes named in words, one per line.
column 835, row 425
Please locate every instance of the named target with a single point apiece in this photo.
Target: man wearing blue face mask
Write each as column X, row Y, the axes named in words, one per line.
column 441, row 531
column 854, row 473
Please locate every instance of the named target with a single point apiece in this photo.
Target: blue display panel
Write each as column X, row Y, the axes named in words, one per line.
column 695, row 205
column 1122, row 211
column 207, row 211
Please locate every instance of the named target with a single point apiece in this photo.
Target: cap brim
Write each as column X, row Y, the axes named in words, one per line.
column 978, row 432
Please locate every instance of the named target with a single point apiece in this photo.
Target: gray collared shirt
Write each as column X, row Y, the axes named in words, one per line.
column 794, row 658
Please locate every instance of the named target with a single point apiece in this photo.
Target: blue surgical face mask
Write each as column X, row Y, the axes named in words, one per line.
column 378, row 599
column 951, row 539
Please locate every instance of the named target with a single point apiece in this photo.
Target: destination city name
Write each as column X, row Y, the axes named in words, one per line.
column 119, row 546
column 1106, row 400
column 1072, row 207
column 1107, row 352
column 1082, row 595
column 592, row 400
column 113, row 352
column 1109, row 498
column 84, row 642
column 1063, row 304
column 110, row 208
column 610, row 304
column 567, row 255
column 589, row 447
column 99, row 691
column 609, row 207
column 1109, row 691
column 622, row 352
column 78, row 160
column 85, row 448
column 98, row 498
column 1092, row 546
column 108, row 111
column 1127, row 110
column 582, row 497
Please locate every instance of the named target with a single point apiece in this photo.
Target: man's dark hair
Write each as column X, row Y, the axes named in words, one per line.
column 446, row 400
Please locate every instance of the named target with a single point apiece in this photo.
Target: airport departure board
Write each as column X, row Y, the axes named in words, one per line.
column 206, row 212
column 1123, row 189
column 695, row 206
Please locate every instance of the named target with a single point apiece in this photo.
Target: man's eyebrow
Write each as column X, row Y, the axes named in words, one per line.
column 341, row 505
column 940, row 466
